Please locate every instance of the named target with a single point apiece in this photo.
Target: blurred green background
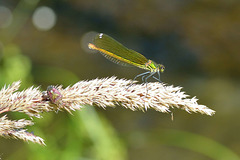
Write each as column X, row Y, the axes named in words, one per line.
column 44, row 42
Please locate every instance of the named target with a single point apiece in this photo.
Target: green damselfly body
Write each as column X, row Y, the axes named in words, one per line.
column 116, row 52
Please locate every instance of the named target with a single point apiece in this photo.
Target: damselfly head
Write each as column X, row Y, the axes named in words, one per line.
column 161, row 68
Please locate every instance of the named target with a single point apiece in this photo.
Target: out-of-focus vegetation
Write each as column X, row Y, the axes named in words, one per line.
column 197, row 41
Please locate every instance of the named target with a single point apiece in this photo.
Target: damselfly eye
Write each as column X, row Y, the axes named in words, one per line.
column 162, row 68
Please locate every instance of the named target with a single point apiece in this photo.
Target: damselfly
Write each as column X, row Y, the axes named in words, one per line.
column 116, row 52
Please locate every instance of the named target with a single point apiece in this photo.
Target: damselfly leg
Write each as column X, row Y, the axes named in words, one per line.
column 158, row 79
column 145, row 77
column 150, row 75
column 142, row 74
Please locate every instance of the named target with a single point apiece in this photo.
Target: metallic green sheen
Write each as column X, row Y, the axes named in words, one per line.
column 107, row 43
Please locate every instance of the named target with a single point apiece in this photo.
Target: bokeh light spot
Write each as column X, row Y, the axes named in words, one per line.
column 44, row 18
column 5, row 17
column 87, row 38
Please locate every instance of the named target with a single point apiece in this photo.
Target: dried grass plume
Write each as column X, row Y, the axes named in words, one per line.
column 107, row 92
